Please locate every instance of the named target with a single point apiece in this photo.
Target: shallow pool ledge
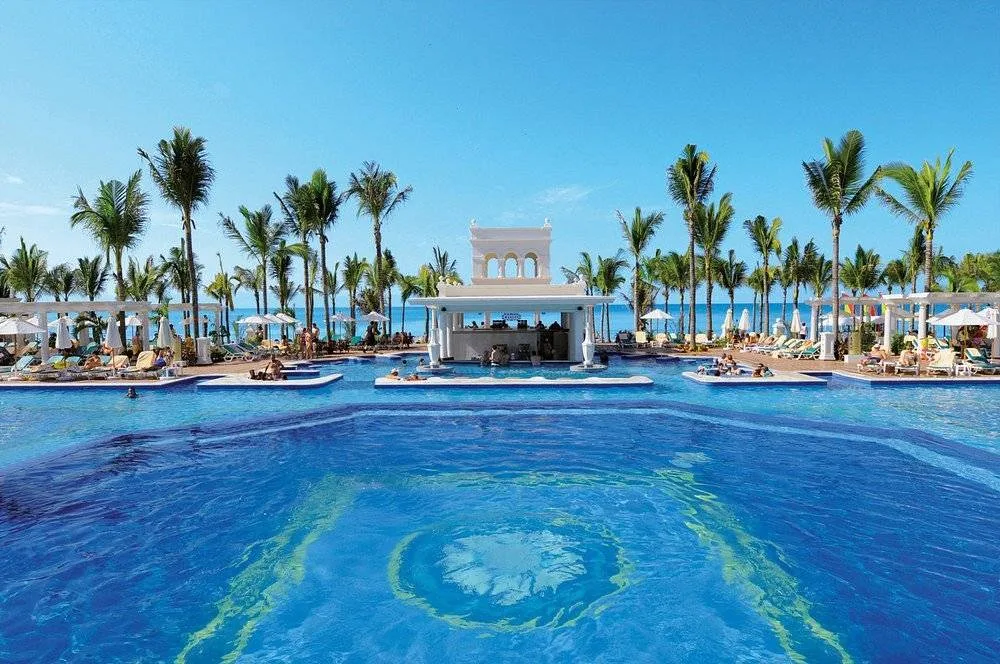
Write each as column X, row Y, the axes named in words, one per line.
column 535, row 381
column 779, row 378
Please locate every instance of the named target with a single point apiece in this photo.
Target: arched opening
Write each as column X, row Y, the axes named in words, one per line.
column 510, row 266
column 530, row 265
column 492, row 269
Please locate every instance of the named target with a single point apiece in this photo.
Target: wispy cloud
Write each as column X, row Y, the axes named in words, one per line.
column 565, row 195
column 12, row 179
column 29, row 210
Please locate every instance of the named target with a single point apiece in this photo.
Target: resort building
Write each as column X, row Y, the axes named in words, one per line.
column 509, row 293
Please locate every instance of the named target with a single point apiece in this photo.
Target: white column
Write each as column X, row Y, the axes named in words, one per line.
column 890, row 321
column 813, row 322
column 146, row 330
column 43, row 322
column 434, row 343
column 538, row 317
column 922, row 323
column 587, row 347
column 486, row 318
column 446, row 323
column 577, row 330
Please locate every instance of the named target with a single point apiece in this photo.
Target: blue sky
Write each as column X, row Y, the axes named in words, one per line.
column 505, row 112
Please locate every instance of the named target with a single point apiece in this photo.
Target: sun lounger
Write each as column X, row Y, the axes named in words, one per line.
column 144, row 366
column 22, row 364
column 980, row 362
column 944, row 363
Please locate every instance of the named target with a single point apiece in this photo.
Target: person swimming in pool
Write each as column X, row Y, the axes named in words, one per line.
column 131, row 393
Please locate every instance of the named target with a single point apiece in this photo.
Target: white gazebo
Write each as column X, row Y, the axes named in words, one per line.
column 510, row 277
column 141, row 310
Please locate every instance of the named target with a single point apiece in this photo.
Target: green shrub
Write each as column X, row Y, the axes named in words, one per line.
column 896, row 345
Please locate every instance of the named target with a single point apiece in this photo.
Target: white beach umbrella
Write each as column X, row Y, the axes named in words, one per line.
column 15, row 325
column 255, row 319
column 962, row 317
column 990, row 314
column 341, row 318
column 375, row 317
column 727, row 324
column 744, row 323
column 63, row 340
column 33, row 320
column 796, row 325
column 133, row 321
column 285, row 318
column 272, row 319
column 163, row 335
column 112, row 339
column 54, row 325
column 657, row 314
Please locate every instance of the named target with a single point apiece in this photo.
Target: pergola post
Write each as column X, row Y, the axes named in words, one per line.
column 43, row 322
column 146, row 329
column 813, row 322
column 922, row 324
column 888, row 322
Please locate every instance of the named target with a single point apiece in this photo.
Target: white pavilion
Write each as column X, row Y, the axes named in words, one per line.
column 511, row 277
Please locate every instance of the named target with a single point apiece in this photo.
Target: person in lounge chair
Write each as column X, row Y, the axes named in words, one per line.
column 875, row 357
column 92, row 362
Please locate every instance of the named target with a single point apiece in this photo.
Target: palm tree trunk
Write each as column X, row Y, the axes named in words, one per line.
column 708, row 295
column 635, row 294
column 306, row 291
column 753, row 317
column 784, row 304
column 120, row 278
column 692, row 277
column 836, row 282
column 765, row 307
column 326, row 290
column 681, row 326
column 377, row 266
column 193, row 270
column 402, row 318
column 928, row 263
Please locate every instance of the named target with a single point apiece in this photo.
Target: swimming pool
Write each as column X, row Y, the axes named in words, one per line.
column 675, row 523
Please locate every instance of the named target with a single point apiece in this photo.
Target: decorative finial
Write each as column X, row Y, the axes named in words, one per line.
column 547, row 224
column 472, row 223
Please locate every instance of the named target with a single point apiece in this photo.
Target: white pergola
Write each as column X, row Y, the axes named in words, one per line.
column 896, row 306
column 111, row 308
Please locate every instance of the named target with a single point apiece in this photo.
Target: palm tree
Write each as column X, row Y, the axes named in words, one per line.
column 444, row 266
column 326, row 207
column 378, row 194
column 608, row 279
column 61, row 281
column 839, row 188
column 755, row 280
column 25, row 270
column 141, row 279
column 353, row 271
column 958, row 278
column 224, row 292
column 116, row 220
column 796, row 265
column 584, row 271
column 299, row 212
column 408, row 287
column 862, row 273
column 91, row 274
column 259, row 238
column 926, row 196
column 638, row 233
column 765, row 240
column 180, row 168
column 710, row 227
column 281, row 269
column 690, row 182
column 897, row 273
column 428, row 288
column 732, row 275
column 176, row 268
column 254, row 280
column 820, row 275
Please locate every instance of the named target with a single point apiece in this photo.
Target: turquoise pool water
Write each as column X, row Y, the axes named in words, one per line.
column 674, row 523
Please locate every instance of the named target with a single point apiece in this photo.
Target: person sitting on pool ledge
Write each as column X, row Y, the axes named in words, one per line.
column 762, row 371
column 273, row 371
column 413, row 376
column 393, row 375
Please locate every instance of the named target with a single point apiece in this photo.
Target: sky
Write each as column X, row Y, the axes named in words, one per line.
column 506, row 112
